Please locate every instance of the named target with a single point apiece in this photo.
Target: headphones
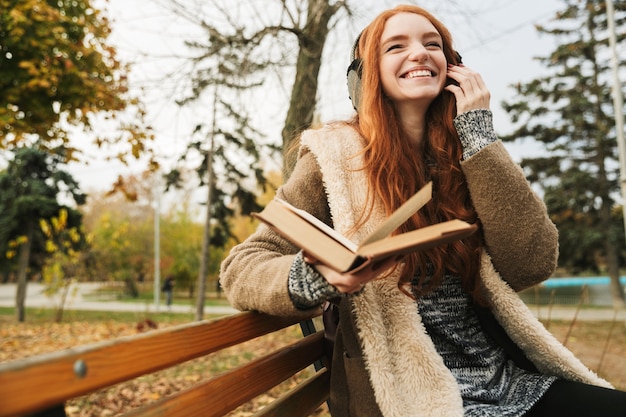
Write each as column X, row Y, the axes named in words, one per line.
column 355, row 71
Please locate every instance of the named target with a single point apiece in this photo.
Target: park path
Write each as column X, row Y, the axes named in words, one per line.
column 81, row 301
column 36, row 298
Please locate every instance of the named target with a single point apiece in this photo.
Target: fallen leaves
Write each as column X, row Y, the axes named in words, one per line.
column 20, row 340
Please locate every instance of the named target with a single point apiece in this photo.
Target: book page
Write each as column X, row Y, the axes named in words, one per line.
column 321, row 225
column 419, row 239
column 305, row 235
column 401, row 215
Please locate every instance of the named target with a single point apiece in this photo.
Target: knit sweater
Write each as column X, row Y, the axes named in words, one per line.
column 491, row 384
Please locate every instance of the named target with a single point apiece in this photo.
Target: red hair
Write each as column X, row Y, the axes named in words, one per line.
column 395, row 171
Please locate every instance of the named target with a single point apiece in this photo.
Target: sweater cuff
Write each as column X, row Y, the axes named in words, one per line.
column 475, row 129
column 307, row 287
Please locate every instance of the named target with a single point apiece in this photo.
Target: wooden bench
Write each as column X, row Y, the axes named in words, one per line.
column 40, row 385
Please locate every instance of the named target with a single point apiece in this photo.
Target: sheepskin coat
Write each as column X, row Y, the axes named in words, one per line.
column 384, row 362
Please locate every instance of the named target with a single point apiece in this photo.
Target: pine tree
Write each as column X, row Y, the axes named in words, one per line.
column 568, row 112
column 32, row 186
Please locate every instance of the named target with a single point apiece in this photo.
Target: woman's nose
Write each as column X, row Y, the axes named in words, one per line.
column 418, row 52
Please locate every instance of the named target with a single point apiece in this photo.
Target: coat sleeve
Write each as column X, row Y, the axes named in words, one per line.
column 520, row 237
column 255, row 273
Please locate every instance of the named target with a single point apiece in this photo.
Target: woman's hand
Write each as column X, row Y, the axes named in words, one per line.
column 350, row 283
column 471, row 93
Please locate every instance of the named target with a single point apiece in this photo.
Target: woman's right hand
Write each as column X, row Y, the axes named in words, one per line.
column 471, row 93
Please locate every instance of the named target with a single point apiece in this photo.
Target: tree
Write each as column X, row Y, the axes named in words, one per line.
column 569, row 114
column 63, row 243
column 232, row 61
column 216, row 143
column 31, row 187
column 311, row 37
column 181, row 243
column 122, row 233
column 121, row 223
column 57, row 71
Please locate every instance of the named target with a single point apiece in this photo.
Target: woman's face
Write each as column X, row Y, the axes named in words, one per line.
column 413, row 66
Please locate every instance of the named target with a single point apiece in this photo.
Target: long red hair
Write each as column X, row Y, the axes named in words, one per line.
column 395, row 171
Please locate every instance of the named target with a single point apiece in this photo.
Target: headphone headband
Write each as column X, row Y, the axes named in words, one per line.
column 355, row 70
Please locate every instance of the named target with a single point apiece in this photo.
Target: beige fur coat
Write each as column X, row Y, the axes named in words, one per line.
column 385, row 364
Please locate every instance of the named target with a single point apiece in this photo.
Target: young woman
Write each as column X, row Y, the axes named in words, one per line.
column 443, row 332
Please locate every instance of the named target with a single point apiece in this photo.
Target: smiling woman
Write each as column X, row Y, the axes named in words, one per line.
column 469, row 345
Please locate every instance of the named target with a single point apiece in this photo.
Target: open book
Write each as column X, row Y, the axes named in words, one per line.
column 338, row 252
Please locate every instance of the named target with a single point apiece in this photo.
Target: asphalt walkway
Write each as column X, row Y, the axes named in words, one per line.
column 81, row 300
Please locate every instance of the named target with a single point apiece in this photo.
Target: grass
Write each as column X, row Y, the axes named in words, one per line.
column 146, row 294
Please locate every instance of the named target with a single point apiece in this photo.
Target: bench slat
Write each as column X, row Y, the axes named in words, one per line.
column 223, row 393
column 52, row 377
column 301, row 401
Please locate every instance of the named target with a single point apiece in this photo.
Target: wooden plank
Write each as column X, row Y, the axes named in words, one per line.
column 301, row 401
column 221, row 394
column 43, row 381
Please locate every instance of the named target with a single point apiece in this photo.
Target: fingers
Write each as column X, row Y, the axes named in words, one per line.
column 311, row 260
column 351, row 283
column 386, row 264
column 472, row 92
column 345, row 283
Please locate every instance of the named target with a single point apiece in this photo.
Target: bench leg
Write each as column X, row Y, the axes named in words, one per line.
column 308, row 327
column 55, row 411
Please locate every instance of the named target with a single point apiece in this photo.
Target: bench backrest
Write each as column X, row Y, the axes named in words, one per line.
column 44, row 382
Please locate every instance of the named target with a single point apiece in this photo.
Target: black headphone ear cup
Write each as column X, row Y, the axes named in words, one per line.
column 354, row 82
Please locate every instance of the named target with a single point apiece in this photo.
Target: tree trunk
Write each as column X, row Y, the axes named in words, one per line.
column 64, row 292
column 22, row 274
column 206, row 240
column 610, row 245
column 204, row 261
column 304, row 92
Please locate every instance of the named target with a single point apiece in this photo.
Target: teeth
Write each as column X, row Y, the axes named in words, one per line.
column 420, row 73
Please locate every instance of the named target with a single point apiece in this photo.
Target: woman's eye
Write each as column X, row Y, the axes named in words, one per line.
column 433, row 45
column 392, row 47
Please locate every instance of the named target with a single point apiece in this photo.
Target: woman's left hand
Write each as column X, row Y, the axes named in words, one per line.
column 351, row 282
column 471, row 92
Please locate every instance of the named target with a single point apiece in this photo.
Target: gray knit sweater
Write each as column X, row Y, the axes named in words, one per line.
column 491, row 385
